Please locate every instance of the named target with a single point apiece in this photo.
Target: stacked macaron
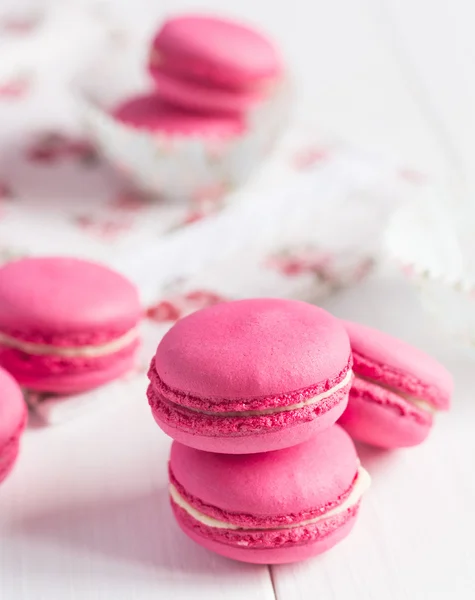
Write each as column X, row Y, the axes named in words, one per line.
column 213, row 65
column 208, row 73
column 66, row 326
column 250, row 391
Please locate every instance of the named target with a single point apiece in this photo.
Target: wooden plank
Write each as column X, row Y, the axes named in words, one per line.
column 436, row 42
column 413, row 539
column 86, row 515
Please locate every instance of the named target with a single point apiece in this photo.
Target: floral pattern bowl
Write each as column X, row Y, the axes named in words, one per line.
column 172, row 167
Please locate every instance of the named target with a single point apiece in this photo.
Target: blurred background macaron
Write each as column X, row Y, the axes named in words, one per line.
column 13, row 416
column 151, row 114
column 208, row 63
column 202, row 113
column 66, row 325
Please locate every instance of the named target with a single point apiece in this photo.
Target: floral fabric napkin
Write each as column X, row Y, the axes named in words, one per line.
column 309, row 223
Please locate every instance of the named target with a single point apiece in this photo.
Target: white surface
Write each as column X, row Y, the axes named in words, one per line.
column 85, row 514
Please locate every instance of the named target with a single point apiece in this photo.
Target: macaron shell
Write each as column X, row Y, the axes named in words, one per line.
column 382, row 357
column 193, row 96
column 268, row 439
column 150, row 113
column 65, row 299
column 270, row 483
column 12, row 409
column 378, row 417
column 70, row 376
column 272, row 556
column 13, row 414
column 252, row 349
column 219, row 50
column 8, row 457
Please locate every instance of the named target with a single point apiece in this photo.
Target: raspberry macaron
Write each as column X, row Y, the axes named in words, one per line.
column 396, row 391
column 66, row 325
column 272, row 507
column 250, row 376
column 148, row 112
column 213, row 64
column 12, row 422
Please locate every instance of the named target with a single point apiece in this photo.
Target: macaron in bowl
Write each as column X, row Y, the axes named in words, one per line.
column 269, row 508
column 150, row 113
column 250, row 376
column 66, row 325
column 173, row 152
column 211, row 64
column 396, row 391
column 13, row 416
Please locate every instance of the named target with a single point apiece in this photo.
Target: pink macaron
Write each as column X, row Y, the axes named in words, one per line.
column 150, row 113
column 272, row 507
column 12, row 422
column 250, row 376
column 396, row 391
column 213, row 64
column 66, row 325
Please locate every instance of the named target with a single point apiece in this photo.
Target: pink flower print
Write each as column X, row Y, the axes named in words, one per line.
column 5, row 191
column 129, row 201
column 51, row 147
column 164, row 311
column 180, row 305
column 82, row 150
column 306, row 261
column 408, row 270
column 309, row 157
column 123, row 169
column 202, row 298
column 205, row 202
column 291, row 266
column 19, row 25
column 113, row 229
column 300, row 261
column 209, row 195
column 193, row 216
column 5, row 194
column 103, row 228
column 16, row 87
column 47, row 148
column 364, row 268
column 412, row 176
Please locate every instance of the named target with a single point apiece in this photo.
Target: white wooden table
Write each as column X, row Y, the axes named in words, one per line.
column 85, row 514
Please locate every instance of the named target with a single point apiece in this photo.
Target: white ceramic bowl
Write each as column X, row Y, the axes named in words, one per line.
column 435, row 246
column 178, row 167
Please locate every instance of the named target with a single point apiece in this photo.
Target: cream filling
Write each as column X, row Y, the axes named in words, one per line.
column 362, row 483
column 71, row 352
column 417, row 402
column 278, row 409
